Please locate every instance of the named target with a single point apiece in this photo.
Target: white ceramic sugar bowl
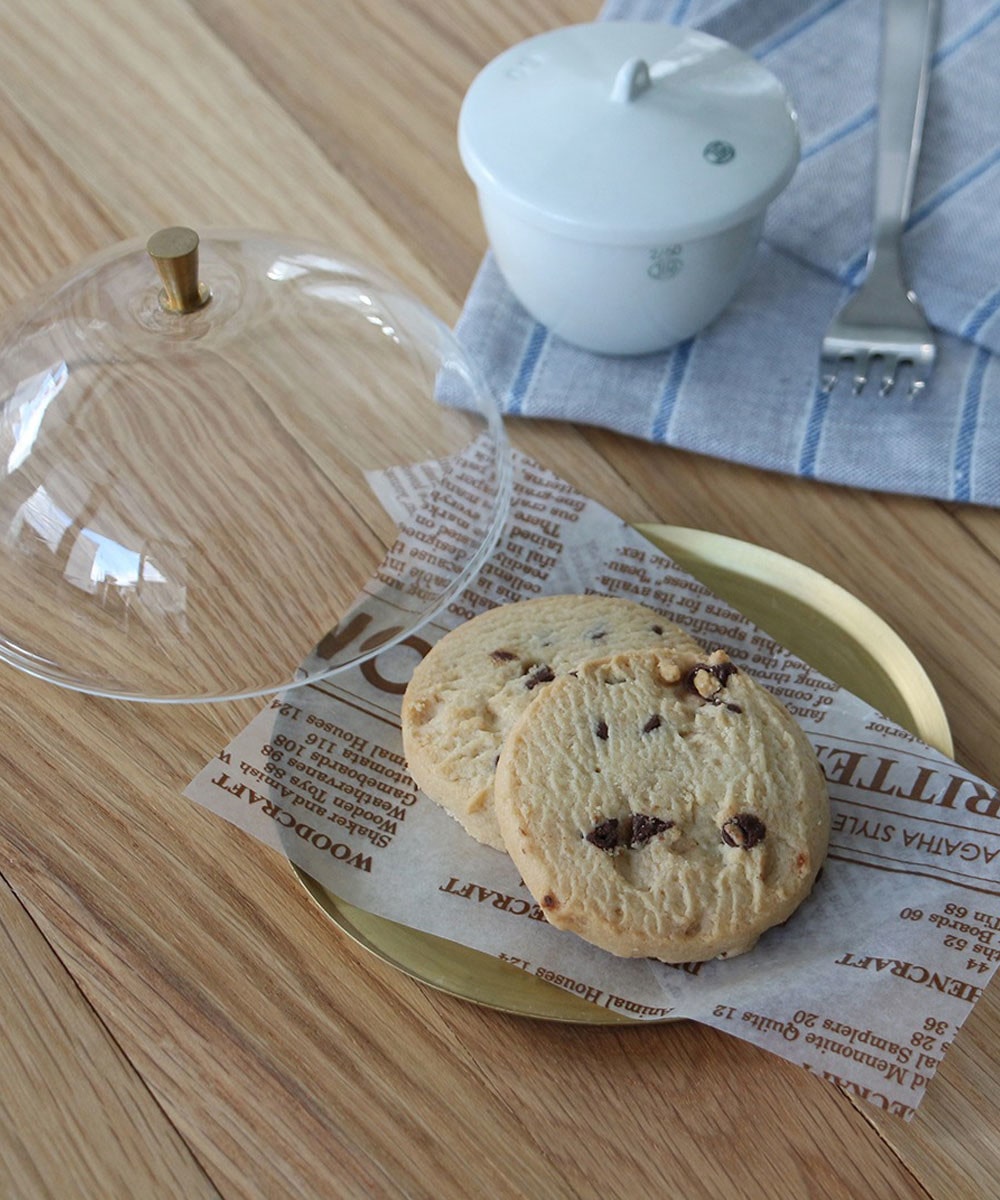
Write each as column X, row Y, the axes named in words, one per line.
column 623, row 170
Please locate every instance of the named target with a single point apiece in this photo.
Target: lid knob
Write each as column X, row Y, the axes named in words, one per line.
column 631, row 81
column 175, row 253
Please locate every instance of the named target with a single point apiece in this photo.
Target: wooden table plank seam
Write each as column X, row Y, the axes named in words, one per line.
column 108, row 1105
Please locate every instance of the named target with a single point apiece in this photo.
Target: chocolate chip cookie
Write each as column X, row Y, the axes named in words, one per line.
column 661, row 803
column 477, row 680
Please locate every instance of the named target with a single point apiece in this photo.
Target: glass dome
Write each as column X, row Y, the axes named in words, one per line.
column 220, row 478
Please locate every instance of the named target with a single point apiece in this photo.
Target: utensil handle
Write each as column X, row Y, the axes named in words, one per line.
column 909, row 28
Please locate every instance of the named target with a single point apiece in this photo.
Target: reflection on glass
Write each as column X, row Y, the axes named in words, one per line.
column 98, row 564
column 21, row 417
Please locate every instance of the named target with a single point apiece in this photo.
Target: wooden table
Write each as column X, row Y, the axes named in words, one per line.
column 176, row 1017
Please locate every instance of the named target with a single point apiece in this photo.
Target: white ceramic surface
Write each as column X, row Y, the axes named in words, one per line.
column 623, row 171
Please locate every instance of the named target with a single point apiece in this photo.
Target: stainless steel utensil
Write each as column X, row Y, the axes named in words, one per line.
column 882, row 326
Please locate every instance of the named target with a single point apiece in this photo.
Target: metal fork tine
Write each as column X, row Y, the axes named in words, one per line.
column 862, row 361
column 890, row 365
column 922, row 368
column 829, row 373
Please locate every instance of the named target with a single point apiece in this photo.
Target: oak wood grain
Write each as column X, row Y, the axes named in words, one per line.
column 76, row 1120
column 257, row 1051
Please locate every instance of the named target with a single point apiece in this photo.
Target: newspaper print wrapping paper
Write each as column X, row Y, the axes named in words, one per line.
column 868, row 982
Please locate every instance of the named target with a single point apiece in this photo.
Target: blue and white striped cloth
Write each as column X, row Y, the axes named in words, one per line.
column 745, row 389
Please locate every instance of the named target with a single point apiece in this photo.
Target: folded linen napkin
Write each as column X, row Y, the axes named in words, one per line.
column 746, row 388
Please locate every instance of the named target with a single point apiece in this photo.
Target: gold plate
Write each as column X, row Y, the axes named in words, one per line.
column 803, row 610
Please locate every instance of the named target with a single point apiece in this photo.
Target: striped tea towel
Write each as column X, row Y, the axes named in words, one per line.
column 745, row 389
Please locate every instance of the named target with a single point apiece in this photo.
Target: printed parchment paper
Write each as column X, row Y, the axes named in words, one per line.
column 868, row 982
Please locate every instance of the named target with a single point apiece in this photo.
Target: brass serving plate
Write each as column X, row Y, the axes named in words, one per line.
column 803, row 610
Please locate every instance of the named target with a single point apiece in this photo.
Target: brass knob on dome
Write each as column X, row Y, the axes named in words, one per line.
column 175, row 253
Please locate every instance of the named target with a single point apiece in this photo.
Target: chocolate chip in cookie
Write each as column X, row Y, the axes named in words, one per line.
column 744, row 830
column 605, row 834
column 544, row 674
column 628, row 833
column 645, row 828
column 707, row 679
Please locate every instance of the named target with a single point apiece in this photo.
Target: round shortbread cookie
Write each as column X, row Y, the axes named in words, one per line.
column 663, row 805
column 478, row 679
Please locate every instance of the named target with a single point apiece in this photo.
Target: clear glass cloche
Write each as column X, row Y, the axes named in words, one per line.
column 233, row 466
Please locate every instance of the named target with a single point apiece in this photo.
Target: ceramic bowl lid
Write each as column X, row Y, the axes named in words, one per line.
column 625, row 132
column 250, row 470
